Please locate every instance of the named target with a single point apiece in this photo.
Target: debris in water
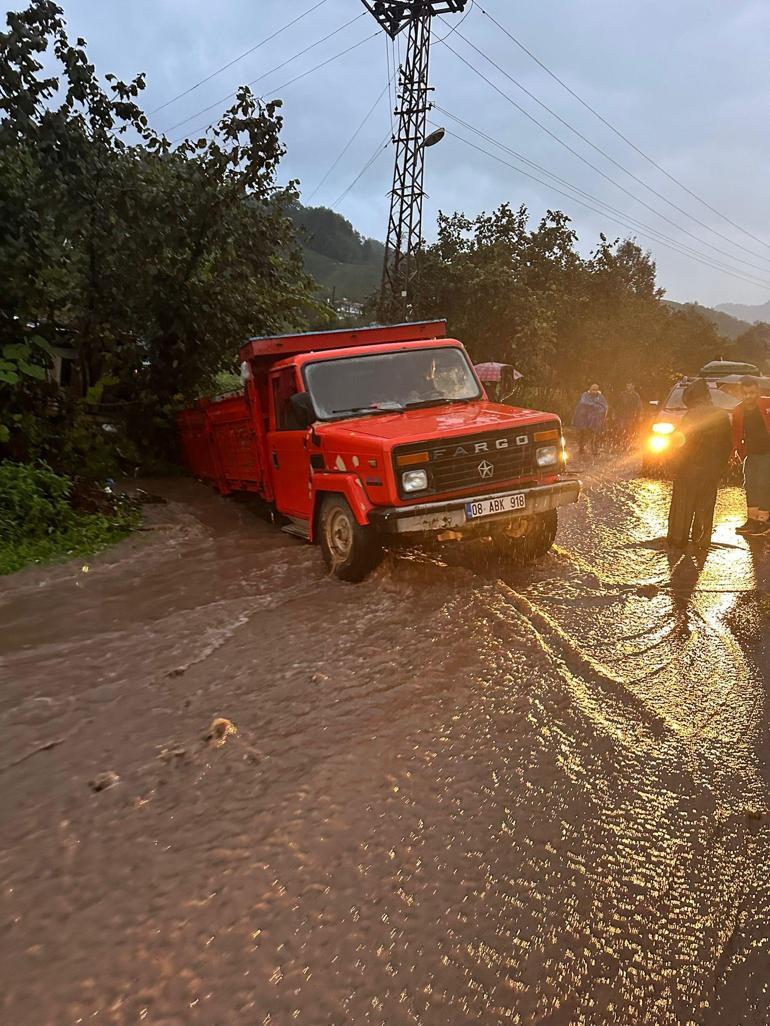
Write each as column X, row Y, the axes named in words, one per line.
column 104, row 781
column 220, row 730
column 148, row 499
column 172, row 754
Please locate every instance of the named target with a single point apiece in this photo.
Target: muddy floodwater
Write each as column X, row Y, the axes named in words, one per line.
column 457, row 793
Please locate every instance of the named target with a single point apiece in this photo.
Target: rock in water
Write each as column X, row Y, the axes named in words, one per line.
column 220, row 730
column 104, row 781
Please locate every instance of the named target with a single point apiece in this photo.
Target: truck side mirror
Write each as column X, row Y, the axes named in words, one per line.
column 304, row 413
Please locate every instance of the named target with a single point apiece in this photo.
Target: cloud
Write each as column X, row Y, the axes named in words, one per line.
column 686, row 82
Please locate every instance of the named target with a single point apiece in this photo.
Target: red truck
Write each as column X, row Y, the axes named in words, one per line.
column 359, row 437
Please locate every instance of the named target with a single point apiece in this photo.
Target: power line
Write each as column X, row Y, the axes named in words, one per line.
column 278, row 67
column 235, row 60
column 620, row 134
column 391, row 77
column 624, row 169
column 291, row 81
column 619, row 215
column 455, row 27
column 593, row 167
column 351, row 140
column 648, row 232
column 380, row 149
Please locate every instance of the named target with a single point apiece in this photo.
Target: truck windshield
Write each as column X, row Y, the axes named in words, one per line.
column 388, row 382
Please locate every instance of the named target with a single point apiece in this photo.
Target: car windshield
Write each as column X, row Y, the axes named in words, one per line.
column 719, row 396
column 389, row 382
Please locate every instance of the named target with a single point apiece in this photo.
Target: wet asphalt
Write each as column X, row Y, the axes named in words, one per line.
column 460, row 792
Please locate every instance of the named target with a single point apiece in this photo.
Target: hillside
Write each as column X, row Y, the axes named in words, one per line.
column 728, row 326
column 751, row 314
column 344, row 263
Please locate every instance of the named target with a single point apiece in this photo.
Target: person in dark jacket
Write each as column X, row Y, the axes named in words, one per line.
column 701, row 462
column 628, row 417
column 751, row 434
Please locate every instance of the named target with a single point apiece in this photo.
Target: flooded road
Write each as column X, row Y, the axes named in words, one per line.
column 457, row 793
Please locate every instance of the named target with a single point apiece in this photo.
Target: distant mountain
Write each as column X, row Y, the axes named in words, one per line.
column 344, row 263
column 728, row 326
column 752, row 314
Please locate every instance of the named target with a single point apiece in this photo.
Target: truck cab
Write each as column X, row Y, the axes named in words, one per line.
column 360, row 438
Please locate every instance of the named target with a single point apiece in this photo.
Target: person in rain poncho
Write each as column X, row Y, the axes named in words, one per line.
column 702, row 460
column 589, row 417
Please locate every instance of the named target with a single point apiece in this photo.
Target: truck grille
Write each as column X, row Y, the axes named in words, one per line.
column 483, row 462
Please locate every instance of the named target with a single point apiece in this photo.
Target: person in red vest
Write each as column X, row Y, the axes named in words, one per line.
column 751, row 436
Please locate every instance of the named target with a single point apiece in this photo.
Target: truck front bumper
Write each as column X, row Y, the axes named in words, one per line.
column 451, row 515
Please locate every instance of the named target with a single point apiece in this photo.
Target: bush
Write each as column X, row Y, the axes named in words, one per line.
column 34, row 502
column 39, row 523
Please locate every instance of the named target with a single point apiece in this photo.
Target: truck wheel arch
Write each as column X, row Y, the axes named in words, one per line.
column 347, row 485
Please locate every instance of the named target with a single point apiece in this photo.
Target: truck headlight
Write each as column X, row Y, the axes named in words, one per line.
column 663, row 428
column 414, row 480
column 547, row 456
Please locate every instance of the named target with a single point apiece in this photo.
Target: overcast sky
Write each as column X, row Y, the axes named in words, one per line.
column 687, row 82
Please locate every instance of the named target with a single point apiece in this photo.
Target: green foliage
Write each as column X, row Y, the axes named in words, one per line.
column 728, row 327
column 34, row 501
column 336, row 255
column 227, row 381
column 39, row 523
column 753, row 346
column 151, row 261
column 326, row 232
column 526, row 296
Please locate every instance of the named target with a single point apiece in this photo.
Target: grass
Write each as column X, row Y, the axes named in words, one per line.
column 39, row 523
column 88, row 534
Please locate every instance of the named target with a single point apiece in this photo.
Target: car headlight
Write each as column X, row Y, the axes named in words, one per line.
column 414, row 480
column 663, row 428
column 659, row 443
column 547, row 456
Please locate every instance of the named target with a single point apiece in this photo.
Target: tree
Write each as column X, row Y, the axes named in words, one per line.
column 526, row 296
column 753, row 346
column 152, row 261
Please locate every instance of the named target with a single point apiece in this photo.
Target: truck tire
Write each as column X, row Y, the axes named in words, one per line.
column 537, row 542
column 350, row 550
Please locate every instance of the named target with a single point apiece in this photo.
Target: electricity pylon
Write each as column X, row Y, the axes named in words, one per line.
column 404, row 236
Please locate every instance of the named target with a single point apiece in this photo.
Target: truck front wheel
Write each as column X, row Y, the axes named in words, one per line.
column 538, row 540
column 350, row 550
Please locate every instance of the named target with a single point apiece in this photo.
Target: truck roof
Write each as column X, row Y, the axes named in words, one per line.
column 339, row 353
column 277, row 346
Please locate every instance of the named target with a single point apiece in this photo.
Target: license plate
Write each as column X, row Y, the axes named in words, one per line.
column 500, row 504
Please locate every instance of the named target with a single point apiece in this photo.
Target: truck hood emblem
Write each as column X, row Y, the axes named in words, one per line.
column 486, row 469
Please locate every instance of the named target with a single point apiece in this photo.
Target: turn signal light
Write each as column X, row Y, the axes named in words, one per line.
column 410, row 458
column 548, row 436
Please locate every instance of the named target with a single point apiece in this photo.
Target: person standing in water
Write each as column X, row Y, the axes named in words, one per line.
column 702, row 460
column 751, row 430
column 628, row 417
column 589, row 417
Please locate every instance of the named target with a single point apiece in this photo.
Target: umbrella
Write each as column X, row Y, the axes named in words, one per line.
column 494, row 371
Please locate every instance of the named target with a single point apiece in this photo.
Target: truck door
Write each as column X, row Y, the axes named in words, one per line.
column 287, row 445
